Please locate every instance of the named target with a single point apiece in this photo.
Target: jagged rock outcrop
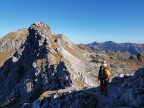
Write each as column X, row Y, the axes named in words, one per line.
column 131, row 91
column 71, row 99
column 28, row 72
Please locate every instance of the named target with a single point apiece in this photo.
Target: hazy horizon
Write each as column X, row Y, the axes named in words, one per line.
column 82, row 21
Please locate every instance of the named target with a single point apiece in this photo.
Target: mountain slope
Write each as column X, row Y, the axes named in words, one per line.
column 133, row 48
column 10, row 43
column 36, row 63
column 41, row 61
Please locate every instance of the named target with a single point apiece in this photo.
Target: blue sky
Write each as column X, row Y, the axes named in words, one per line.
column 83, row 21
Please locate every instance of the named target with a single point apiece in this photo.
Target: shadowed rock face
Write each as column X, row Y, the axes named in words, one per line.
column 75, row 99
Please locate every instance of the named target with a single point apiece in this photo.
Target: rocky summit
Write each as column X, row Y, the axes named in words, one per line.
column 41, row 69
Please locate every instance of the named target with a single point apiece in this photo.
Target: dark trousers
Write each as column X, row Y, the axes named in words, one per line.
column 103, row 85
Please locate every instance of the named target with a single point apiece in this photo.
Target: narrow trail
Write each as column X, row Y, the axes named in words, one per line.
column 104, row 101
column 108, row 101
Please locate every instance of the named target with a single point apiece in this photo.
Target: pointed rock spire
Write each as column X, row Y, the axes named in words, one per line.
column 40, row 26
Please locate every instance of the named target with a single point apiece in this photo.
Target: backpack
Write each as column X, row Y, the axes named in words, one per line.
column 104, row 71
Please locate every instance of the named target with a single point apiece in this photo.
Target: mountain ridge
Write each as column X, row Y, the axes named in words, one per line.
column 133, row 48
column 41, row 61
column 38, row 66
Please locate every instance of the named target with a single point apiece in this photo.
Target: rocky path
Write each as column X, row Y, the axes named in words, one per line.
column 104, row 101
column 107, row 101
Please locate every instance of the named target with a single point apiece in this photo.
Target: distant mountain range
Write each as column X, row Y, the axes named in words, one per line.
column 132, row 48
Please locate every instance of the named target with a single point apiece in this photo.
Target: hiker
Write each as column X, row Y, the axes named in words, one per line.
column 103, row 76
column 139, row 57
